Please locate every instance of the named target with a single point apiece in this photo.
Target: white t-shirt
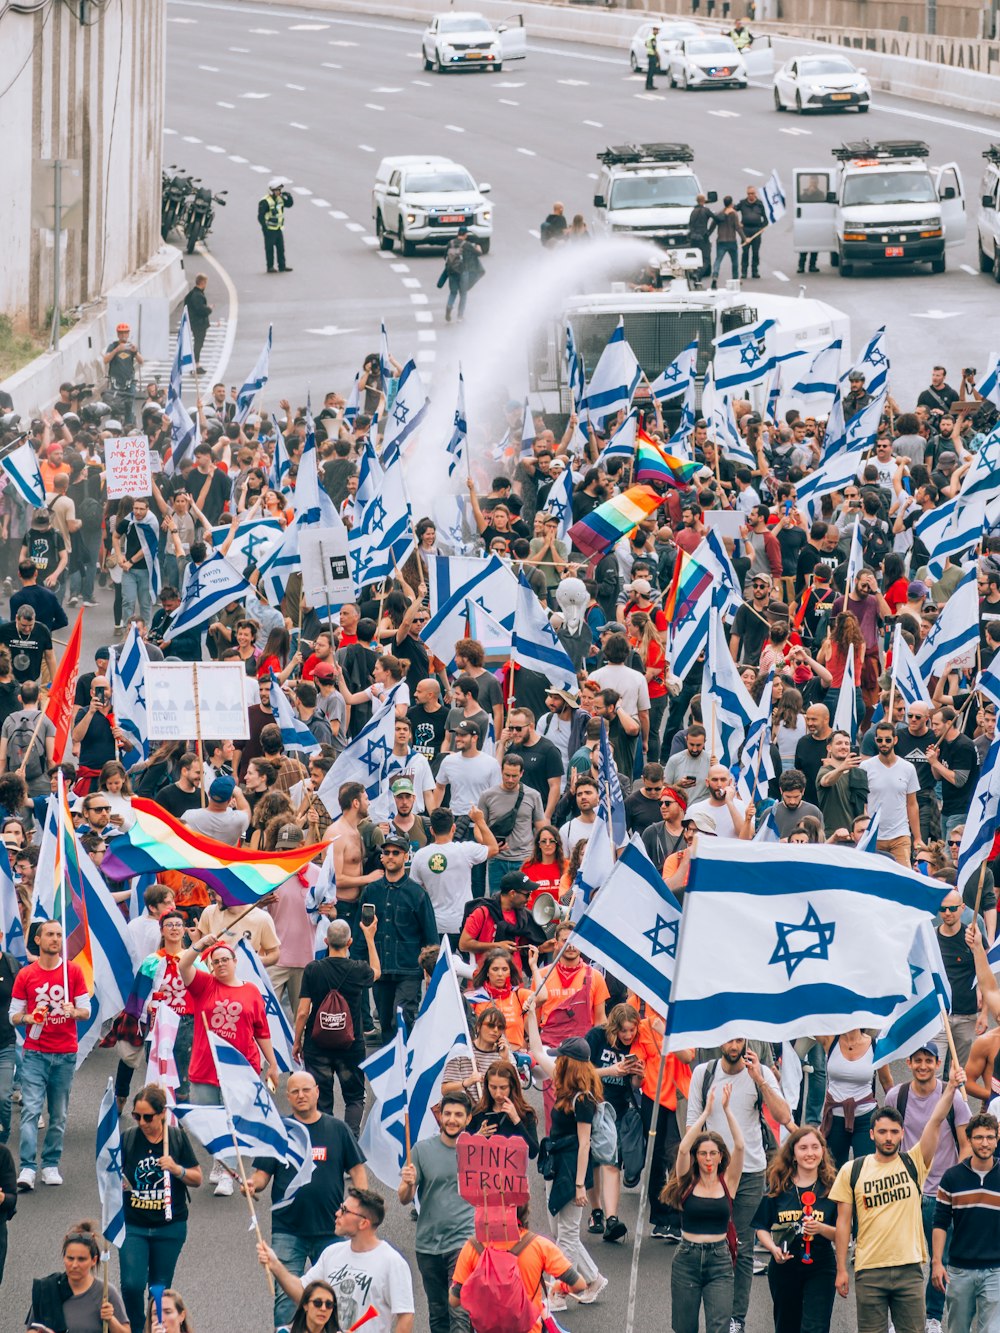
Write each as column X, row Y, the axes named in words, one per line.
column 557, row 731
column 631, row 685
column 360, row 1278
column 469, row 778
column 575, row 830
column 888, row 787
column 444, row 870
column 724, row 826
column 742, row 1104
column 142, row 937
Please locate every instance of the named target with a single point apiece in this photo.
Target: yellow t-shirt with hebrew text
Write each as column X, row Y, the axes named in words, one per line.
column 887, row 1201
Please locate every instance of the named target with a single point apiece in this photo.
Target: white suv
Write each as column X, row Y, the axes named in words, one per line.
column 424, row 201
column 989, row 214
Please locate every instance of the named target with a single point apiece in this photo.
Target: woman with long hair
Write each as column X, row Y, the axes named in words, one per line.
column 115, row 784
column 494, row 984
column 788, row 725
column 843, row 635
column 705, row 1179
column 578, row 1093
column 161, row 1166
column 274, row 654
column 270, row 806
column 802, row 1292
column 175, row 1316
column 159, row 770
column 894, row 581
column 465, row 1073
column 547, row 862
column 316, row 1311
column 502, row 1109
column 85, row 1304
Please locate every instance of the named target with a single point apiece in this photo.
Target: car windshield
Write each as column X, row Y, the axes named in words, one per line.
column 439, row 182
column 673, row 31
column 652, row 191
column 890, row 187
column 707, row 46
column 831, row 66
column 459, row 24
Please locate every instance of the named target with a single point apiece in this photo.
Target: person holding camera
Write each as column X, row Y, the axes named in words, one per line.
column 96, row 734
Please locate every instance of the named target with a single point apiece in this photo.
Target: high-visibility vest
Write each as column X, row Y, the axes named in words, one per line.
column 741, row 38
column 651, row 45
column 274, row 218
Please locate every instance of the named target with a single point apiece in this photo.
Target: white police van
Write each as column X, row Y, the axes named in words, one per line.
column 989, row 213
column 647, row 191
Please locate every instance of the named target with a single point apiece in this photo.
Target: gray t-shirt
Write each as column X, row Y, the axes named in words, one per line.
column 490, row 693
column 83, row 1313
column 497, row 802
column 24, row 722
column 481, row 720
column 446, row 1221
column 469, row 777
column 222, row 825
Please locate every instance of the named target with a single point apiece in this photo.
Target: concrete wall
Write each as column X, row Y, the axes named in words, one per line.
column 954, row 18
column 91, row 92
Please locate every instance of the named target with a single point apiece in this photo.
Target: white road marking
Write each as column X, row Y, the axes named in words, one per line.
column 387, row 90
column 265, row 32
column 229, row 106
column 294, row 124
column 209, row 69
column 592, row 175
column 936, row 314
column 533, row 231
column 263, row 171
column 937, row 120
column 296, row 87
column 255, row 96
column 242, row 50
column 425, row 355
column 235, row 157
column 409, row 282
column 455, row 129
column 794, row 129
column 580, row 55
column 169, row 131
column 330, row 330
column 213, row 148
column 191, row 138
column 505, row 101
column 596, row 124
column 730, row 115
column 650, row 97
column 967, row 268
column 400, row 268
column 505, row 83
column 418, row 298
column 528, row 152
column 421, row 83
column 574, row 83
column 335, row 42
column 308, row 27
column 426, row 335
column 374, row 106
column 336, row 213
column 302, row 190
column 423, row 317
column 354, row 226
column 173, row 20
column 330, row 64
column 320, row 203
column 782, row 277
column 370, row 240
column 366, row 147
column 749, row 171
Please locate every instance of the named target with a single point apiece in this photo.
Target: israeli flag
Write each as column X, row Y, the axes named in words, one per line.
column 11, row 930
column 835, row 435
column 712, row 555
column 874, row 364
column 208, row 588
column 280, row 464
column 982, row 474
column 534, row 643
column 675, row 378
column 680, row 441
column 409, row 407
column 560, row 502
column 905, row 673
column 109, row 1169
column 253, row 539
column 742, row 358
column 954, row 636
column 833, row 474
column 963, row 530
column 916, row 1020
column 863, row 426
column 295, row 735
column 631, row 927
column 612, row 800
column 622, row 441
column 459, row 442
column 452, row 581
column 868, row 842
column 773, row 195
column 989, row 684
column 255, row 382
column 300, row 1158
column 688, row 635
column 383, row 1137
column 248, row 1104
column 767, row 828
column 983, row 818
column 722, row 425
column 127, row 670
column 250, row 969
column 756, row 768
column 113, row 969
column 855, row 557
column 823, row 375
column 312, row 504
column 148, row 532
column 577, row 382
column 353, row 405
column 278, row 562
column 723, row 692
column 382, row 535
column 21, row 465
column 798, row 955
column 597, row 864
column 615, row 379
column 365, row 758
column 384, row 359
column 990, row 387
column 845, row 717
column 183, row 430
column 527, row 432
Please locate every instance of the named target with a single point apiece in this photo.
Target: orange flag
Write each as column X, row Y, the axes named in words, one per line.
column 59, row 709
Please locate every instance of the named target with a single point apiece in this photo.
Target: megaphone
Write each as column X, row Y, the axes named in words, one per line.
column 547, row 909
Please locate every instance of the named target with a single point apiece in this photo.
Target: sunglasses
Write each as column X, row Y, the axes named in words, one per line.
column 98, row 809
column 323, row 1303
column 392, row 851
column 954, row 842
column 144, row 1118
column 952, row 909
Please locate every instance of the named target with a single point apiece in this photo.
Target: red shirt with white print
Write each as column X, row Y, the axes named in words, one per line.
column 234, row 1013
column 42, row 990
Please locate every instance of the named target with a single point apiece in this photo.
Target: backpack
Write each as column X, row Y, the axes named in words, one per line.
column 858, row 1163
column 332, row 1025
column 493, row 1294
column 603, row 1134
column 875, row 541
column 768, row 1141
column 454, row 260
column 904, row 1097
column 18, row 744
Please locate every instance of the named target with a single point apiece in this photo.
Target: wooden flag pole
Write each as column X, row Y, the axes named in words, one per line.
column 633, row 1281
column 197, row 727
column 979, row 893
column 951, row 1040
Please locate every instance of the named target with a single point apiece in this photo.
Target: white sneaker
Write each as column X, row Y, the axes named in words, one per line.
column 26, row 1180
column 593, row 1290
column 557, row 1301
column 932, row 1326
column 224, row 1188
column 51, row 1176
column 216, row 1174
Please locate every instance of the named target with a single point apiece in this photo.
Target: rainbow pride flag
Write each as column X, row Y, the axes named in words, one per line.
column 70, row 904
column 613, row 519
column 691, row 580
column 654, row 464
column 157, row 841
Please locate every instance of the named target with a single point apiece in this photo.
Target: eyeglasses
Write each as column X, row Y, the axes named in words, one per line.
column 513, row 728
column 392, row 851
column 952, row 909
column 322, row 1303
column 349, row 1211
column 141, row 1116
column 98, row 809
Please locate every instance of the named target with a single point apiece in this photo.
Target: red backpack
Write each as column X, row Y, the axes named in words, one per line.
column 493, row 1294
column 333, row 1026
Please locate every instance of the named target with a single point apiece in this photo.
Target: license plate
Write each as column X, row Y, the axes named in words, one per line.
column 893, row 252
column 473, row 55
column 452, row 217
column 840, row 97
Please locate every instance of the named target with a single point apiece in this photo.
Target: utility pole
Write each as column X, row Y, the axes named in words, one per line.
column 56, row 254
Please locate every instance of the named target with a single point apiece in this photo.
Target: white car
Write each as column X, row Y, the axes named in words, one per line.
column 821, row 83
column 424, row 200
column 470, row 41
column 671, row 32
column 706, row 62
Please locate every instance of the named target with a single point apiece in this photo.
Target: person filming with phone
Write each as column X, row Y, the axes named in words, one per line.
column 95, row 733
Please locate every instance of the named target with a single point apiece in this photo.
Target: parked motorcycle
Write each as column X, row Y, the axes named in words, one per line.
column 174, row 195
column 201, row 215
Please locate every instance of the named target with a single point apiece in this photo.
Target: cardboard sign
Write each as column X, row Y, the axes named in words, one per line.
column 222, row 706
column 126, row 459
column 325, row 571
column 493, row 1169
column 726, row 522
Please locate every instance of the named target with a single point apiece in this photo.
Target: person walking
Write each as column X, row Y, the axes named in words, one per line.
column 850, row 1097
column 753, row 216
column 727, row 226
column 74, row 1298
column 271, row 217
column 652, row 57
column 462, row 270
column 699, row 230
column 968, row 1202
column 404, row 925
column 199, row 317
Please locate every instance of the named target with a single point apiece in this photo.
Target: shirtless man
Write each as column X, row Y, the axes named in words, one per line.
column 348, row 849
column 981, row 1071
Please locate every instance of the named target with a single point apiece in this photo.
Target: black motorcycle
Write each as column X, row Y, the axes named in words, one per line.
column 174, row 195
column 200, row 216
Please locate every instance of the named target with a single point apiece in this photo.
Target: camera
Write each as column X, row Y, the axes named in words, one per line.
column 9, row 421
column 969, row 372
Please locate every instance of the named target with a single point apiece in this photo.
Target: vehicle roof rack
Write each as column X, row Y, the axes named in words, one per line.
column 883, row 148
column 992, row 154
column 632, row 154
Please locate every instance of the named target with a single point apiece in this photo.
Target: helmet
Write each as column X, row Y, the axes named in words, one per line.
column 91, row 413
column 276, row 184
column 122, row 328
column 114, row 427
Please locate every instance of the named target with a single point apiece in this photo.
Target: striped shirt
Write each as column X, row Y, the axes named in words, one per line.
column 970, row 1203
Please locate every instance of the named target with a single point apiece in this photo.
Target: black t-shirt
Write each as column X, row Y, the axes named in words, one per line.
column 914, row 748
column 542, row 761
column 9, row 968
column 98, row 745
column 790, row 541
column 428, row 732
column 144, row 1202
column 937, row 399
column 787, row 1207
column 641, row 811
column 808, row 558
column 960, row 964
column 751, row 629
column 314, row 1210
column 176, row 802
column 216, row 491
column 809, row 756
column 121, row 368
column 347, row 975
column 27, row 651
column 603, row 1053
column 958, row 755
column 416, row 655
column 43, row 547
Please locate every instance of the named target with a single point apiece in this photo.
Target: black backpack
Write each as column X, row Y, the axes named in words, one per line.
column 20, row 744
column 875, row 541
column 768, row 1141
column 454, row 260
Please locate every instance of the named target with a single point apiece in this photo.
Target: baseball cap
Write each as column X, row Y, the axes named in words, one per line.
column 516, row 881
column 396, row 840
column 402, row 786
column 222, row 788
column 641, row 586
column 323, row 671
column 576, row 1048
column 468, row 728
column 930, row 1047
column 917, row 589
column 702, row 822
column 289, row 835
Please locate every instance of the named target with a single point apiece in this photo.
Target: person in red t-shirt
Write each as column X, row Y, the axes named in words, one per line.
column 48, row 998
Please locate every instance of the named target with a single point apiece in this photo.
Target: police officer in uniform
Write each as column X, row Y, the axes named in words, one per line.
column 738, row 33
column 271, row 216
column 652, row 57
column 699, row 227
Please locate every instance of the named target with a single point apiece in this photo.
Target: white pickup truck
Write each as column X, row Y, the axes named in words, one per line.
column 424, row 200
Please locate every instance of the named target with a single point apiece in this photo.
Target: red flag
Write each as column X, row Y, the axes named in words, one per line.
column 59, row 709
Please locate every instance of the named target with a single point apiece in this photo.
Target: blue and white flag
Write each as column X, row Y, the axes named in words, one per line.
column 680, row 441
column 855, row 557
column 127, row 670
column 917, row 1019
column 208, row 588
column 621, row 443
column 675, row 378
column 560, row 502
column 383, row 1137
column 723, row 694
column 247, row 1102
column 409, row 407
column 835, row 434
column 183, row 429
column 250, row 969
column 148, row 534
column 611, row 798
column 453, row 580
column 597, row 864
column 109, row 1169
column 742, row 358
column 711, row 553
column 312, row 504
column 798, row 954
column 382, row 535
column 868, row 842
column 21, row 465
column 369, row 475
column 295, row 735
column 300, row 1159
column 577, row 382
column 278, row 562
column 983, row 819
column 11, row 930
column 255, row 382
column 989, row 684
column 984, row 469
column 615, row 379
column 990, row 386
column 756, row 768
column 534, row 643
column 688, row 635
column 773, row 196
column 280, row 463
column 459, row 442
column 862, row 428
column 722, row 427
column 353, row 405
column 845, row 717
column 631, row 927
column 254, row 538
column 365, row 757
column 823, row 374
column 527, row 432
column 963, row 531
column 833, row 474
column 954, row 636
column 905, row 672
column 874, row 364
column 767, row 827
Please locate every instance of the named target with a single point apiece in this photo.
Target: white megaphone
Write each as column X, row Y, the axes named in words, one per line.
column 546, row 910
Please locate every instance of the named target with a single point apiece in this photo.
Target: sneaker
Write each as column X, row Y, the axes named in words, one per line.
column 660, row 1231
column 593, row 1290
column 8, row 586
column 224, row 1188
column 759, row 1266
column 216, row 1174
column 615, row 1229
column 90, row 603
column 51, row 1176
column 596, row 1227
column 737, row 1325
column 557, row 1301
column 74, row 601
column 932, row 1326
column 26, row 1180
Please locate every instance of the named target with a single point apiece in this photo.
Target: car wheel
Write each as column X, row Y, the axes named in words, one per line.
column 685, row 85
column 938, row 265
column 484, row 245
column 777, row 101
column 996, row 263
column 427, row 63
column 437, row 63
column 863, row 108
column 798, row 103
column 384, row 238
column 672, row 81
column 846, row 268
column 834, row 259
column 405, row 247
column 633, row 62
column 985, row 262
column 497, row 69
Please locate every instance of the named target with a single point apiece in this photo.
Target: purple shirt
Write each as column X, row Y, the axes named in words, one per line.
column 918, row 1112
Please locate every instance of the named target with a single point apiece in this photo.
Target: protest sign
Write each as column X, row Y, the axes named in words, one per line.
column 170, row 700
column 126, row 459
column 325, row 572
column 492, row 1168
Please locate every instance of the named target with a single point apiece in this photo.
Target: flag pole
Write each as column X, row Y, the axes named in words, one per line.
column 239, row 1156
column 60, row 832
column 979, row 892
column 105, row 1256
column 950, row 1039
column 712, row 756
column 197, row 729
column 633, row 1281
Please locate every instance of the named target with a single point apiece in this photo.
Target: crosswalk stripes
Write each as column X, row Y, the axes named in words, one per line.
column 211, row 355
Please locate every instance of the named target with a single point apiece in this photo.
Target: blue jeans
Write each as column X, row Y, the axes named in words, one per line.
column 934, row 1299
column 701, row 1274
column 496, row 868
column 974, row 1299
column 44, row 1078
column 148, row 1256
column 136, row 596
column 297, row 1253
column 723, row 248
column 7, row 1061
column 841, row 1143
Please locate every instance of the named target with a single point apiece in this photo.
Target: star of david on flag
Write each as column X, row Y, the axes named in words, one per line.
column 822, row 933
